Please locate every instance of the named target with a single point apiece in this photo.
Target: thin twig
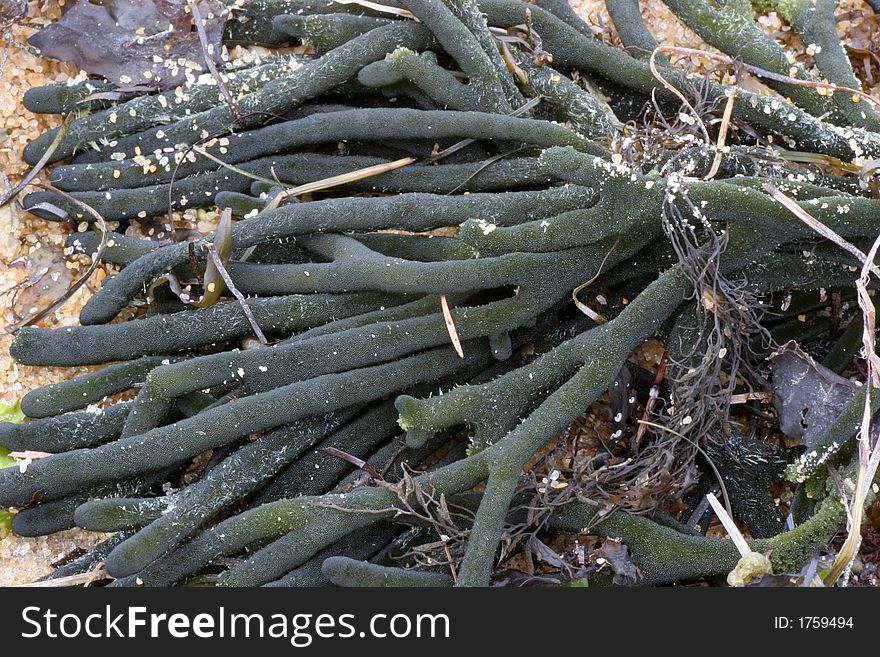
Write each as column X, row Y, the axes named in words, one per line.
column 335, row 181
column 653, row 395
column 247, row 174
column 531, row 104
column 59, row 137
column 869, row 455
column 705, row 456
column 792, row 206
column 78, row 283
column 584, row 308
column 221, row 268
column 212, row 67
column 360, row 464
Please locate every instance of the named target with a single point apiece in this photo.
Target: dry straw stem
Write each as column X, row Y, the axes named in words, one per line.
column 84, row 579
column 584, row 308
column 729, row 526
column 823, row 230
column 335, row 181
column 869, row 455
column 217, row 265
column 722, row 135
column 385, row 9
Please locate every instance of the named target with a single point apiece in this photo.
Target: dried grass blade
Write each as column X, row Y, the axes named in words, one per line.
column 792, row 206
column 341, row 179
column 71, row 580
column 450, row 326
column 730, row 526
column 385, row 9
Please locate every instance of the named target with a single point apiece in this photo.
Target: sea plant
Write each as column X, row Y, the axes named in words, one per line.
column 456, row 222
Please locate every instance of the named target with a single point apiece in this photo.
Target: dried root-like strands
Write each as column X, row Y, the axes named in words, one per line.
column 528, row 436
column 346, row 571
column 167, row 334
column 414, row 212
